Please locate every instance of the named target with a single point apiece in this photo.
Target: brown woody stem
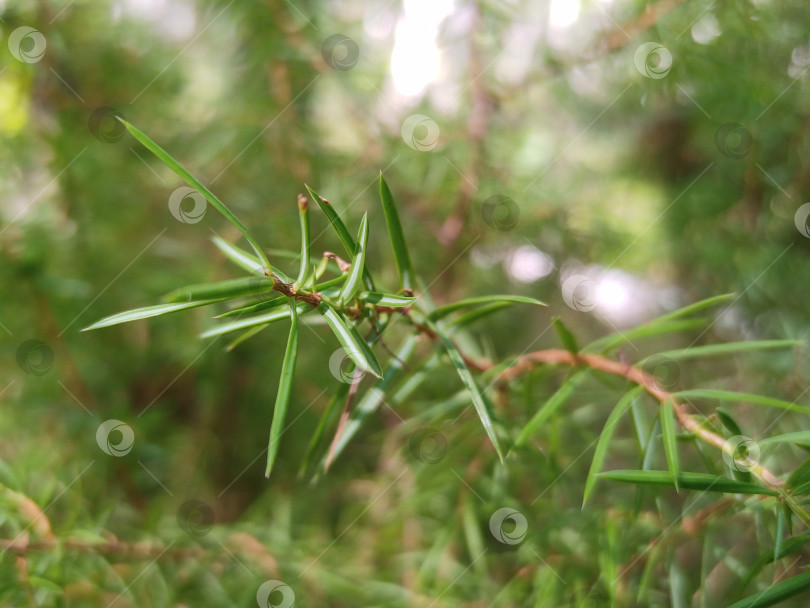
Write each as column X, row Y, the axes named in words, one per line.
column 634, row 374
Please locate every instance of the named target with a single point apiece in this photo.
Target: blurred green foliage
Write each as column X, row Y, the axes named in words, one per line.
column 686, row 185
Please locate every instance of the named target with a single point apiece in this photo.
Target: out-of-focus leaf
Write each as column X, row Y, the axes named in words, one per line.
column 670, row 439
column 270, row 317
column 258, row 307
column 232, row 288
column 326, row 419
column 373, row 397
column 789, row 546
column 800, row 475
column 693, row 308
column 797, row 437
column 781, row 524
column 478, row 313
column 469, row 382
column 347, row 335
column 401, row 256
column 192, row 181
column 566, row 337
column 303, row 219
column 714, row 350
column 341, row 230
column 706, row 393
column 612, row 341
column 385, row 299
column 687, row 481
column 550, row 407
column 358, row 264
column 728, row 421
column 284, row 389
column 245, row 336
column 604, row 439
column 446, row 310
column 239, row 256
column 776, row 593
column 146, row 312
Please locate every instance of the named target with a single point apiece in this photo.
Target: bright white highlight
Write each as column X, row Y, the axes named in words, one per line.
column 563, row 13
column 528, row 264
column 416, row 58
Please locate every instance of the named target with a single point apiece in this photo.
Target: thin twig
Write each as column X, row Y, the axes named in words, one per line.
column 634, row 374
